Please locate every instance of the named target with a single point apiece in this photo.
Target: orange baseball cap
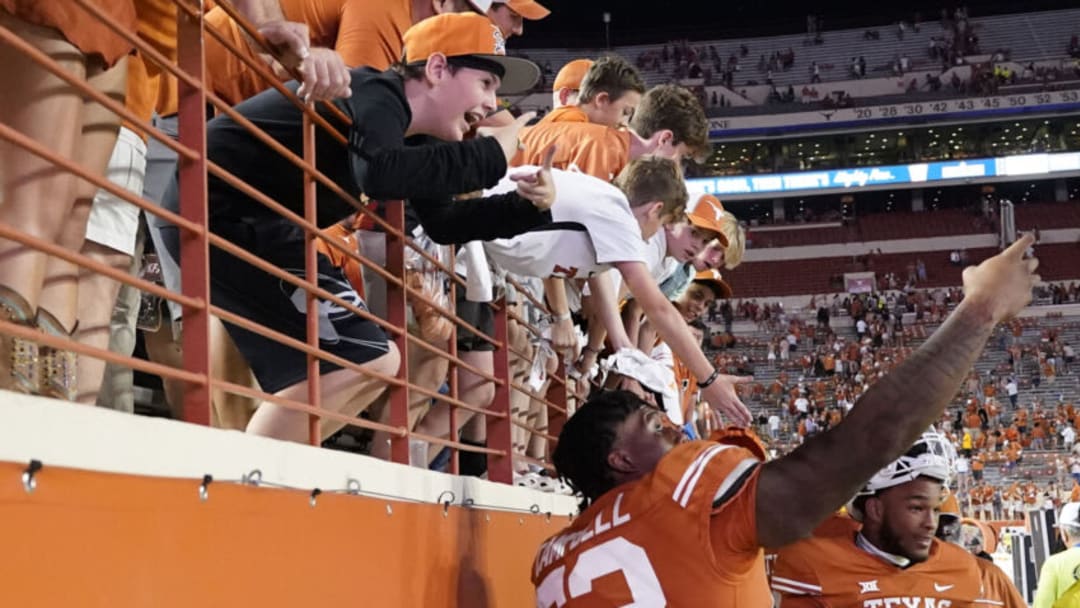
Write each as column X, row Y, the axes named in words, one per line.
column 709, row 214
column 474, row 38
column 529, row 9
column 713, row 276
column 571, row 75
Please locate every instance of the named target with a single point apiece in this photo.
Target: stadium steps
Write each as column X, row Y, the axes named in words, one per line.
column 1058, row 262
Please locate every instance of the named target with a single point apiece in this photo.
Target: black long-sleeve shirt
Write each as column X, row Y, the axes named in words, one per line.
column 377, row 162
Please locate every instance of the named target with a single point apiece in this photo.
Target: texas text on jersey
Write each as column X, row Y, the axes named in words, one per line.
column 684, row 535
column 832, row 570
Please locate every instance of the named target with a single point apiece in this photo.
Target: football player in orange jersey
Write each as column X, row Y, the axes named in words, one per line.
column 895, row 559
column 997, row 586
column 683, row 524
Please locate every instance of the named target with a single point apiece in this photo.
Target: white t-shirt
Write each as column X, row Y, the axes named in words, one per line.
column 592, row 227
column 656, row 254
column 802, row 404
column 1011, row 389
column 860, row 326
column 774, row 422
column 1068, row 435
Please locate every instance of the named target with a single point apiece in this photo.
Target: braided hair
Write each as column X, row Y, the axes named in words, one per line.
column 586, row 439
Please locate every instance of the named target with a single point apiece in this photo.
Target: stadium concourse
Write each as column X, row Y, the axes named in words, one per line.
column 285, row 278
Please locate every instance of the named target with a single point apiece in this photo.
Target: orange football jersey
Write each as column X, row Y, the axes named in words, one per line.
column 683, row 535
column 998, row 588
column 833, row 571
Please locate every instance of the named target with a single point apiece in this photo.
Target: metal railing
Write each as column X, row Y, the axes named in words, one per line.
column 193, row 171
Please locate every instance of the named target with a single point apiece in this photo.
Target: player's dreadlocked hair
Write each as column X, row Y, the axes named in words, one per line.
column 580, row 457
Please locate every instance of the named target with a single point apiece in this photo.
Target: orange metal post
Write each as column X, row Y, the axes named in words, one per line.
column 194, row 251
column 556, row 406
column 396, row 314
column 311, row 273
column 500, row 467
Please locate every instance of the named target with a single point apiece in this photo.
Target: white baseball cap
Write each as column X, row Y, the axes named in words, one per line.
column 1069, row 516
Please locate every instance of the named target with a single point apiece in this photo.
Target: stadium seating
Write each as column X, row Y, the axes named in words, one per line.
column 758, row 279
column 1028, row 36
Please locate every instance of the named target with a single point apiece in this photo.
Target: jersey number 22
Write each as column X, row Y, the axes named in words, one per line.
column 615, row 555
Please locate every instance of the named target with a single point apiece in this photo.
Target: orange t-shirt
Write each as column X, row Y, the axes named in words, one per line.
column 156, row 24
column 587, row 147
column 997, row 586
column 834, row 571
column 565, row 114
column 949, row 504
column 1013, row 452
column 141, row 91
column 683, row 535
column 1031, row 493
column 364, row 33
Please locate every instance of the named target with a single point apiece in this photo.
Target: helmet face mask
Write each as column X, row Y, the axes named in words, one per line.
column 932, row 456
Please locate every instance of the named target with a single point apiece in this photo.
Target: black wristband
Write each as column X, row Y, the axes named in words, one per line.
column 712, row 378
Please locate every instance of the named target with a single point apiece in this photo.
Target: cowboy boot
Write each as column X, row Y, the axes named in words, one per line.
column 57, row 367
column 18, row 357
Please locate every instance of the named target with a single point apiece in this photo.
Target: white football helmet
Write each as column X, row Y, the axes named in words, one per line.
column 931, row 456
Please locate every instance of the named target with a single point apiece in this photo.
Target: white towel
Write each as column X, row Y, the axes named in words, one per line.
column 479, row 286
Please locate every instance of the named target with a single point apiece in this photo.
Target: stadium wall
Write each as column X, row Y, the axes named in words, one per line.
column 120, row 515
column 942, row 243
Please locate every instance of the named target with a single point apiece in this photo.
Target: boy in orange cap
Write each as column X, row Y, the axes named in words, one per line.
column 607, row 93
column 568, row 82
column 509, row 15
column 453, row 66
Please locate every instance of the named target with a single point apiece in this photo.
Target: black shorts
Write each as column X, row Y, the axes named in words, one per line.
column 263, row 298
column 478, row 314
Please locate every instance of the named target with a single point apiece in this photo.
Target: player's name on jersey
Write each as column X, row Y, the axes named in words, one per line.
column 605, row 521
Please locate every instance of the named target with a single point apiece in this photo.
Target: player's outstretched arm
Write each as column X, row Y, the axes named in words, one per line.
column 717, row 389
column 797, row 492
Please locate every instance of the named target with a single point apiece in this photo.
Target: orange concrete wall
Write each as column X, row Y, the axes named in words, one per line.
column 93, row 539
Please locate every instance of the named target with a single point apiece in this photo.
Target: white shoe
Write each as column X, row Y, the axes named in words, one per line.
column 527, row 480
